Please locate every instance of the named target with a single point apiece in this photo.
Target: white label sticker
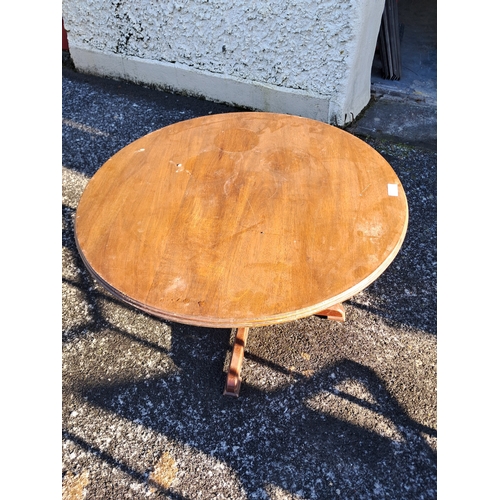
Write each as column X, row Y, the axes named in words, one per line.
column 392, row 189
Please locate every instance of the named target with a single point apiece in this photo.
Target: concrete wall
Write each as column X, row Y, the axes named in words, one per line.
column 307, row 57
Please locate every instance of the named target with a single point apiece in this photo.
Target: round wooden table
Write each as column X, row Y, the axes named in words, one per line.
column 241, row 220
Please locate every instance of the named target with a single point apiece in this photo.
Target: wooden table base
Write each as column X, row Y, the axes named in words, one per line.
column 335, row 313
column 233, row 381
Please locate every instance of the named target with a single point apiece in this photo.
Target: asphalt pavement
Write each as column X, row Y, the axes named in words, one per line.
column 327, row 410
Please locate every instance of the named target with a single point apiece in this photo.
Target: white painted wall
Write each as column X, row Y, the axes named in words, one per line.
column 307, row 57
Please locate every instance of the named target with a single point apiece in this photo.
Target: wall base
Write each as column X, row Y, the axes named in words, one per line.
column 216, row 87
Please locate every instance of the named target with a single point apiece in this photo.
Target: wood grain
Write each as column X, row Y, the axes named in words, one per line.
column 241, row 219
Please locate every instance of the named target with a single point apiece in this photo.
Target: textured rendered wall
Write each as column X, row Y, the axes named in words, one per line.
column 311, row 57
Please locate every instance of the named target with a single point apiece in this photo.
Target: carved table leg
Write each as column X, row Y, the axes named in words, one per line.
column 233, row 381
column 334, row 313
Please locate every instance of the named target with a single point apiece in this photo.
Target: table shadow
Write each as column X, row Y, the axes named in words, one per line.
column 283, row 437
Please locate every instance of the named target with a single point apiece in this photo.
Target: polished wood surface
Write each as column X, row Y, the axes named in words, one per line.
column 241, row 219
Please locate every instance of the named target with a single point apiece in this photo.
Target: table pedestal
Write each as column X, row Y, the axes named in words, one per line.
column 233, row 381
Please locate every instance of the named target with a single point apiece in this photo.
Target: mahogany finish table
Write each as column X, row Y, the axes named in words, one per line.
column 241, row 220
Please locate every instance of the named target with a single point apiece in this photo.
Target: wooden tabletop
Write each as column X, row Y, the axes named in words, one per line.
column 241, row 219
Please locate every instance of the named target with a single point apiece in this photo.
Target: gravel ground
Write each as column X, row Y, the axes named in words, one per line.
column 326, row 410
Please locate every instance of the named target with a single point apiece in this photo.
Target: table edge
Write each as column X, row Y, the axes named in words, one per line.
column 208, row 322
